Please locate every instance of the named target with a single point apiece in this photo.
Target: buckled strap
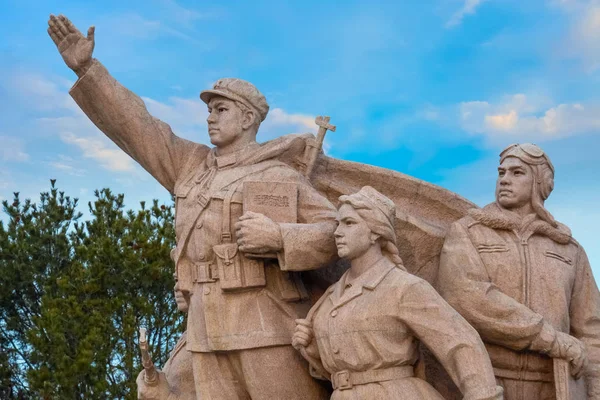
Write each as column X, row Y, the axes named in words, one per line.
column 203, row 272
column 226, row 235
column 343, row 380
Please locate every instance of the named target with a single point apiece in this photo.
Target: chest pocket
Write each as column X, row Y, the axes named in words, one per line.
column 492, row 248
column 503, row 267
column 557, row 256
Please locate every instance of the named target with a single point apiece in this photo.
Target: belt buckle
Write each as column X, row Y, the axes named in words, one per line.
column 203, row 272
column 342, row 379
column 202, row 200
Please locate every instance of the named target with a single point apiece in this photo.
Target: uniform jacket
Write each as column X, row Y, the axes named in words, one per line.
column 200, row 181
column 376, row 323
column 509, row 277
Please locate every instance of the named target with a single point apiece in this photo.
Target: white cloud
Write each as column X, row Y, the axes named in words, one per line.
column 428, row 113
column 66, row 164
column 89, row 141
column 42, row 93
column 183, row 16
column 166, row 18
column 112, row 159
column 12, row 149
column 502, row 122
column 135, row 26
column 582, row 40
column 469, row 7
column 59, row 116
column 518, row 118
column 186, row 116
column 586, row 38
column 300, row 122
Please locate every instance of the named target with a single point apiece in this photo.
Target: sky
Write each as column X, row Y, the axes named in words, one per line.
column 434, row 89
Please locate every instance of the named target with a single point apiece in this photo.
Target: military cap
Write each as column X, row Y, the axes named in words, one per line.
column 238, row 90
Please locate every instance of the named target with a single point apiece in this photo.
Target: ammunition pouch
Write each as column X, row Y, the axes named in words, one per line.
column 236, row 271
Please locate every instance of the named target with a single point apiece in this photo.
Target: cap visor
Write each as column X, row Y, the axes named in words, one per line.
column 206, row 95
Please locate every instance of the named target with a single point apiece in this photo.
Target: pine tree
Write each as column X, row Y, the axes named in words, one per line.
column 73, row 294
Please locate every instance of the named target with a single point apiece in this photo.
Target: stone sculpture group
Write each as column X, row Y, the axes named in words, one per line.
column 507, row 308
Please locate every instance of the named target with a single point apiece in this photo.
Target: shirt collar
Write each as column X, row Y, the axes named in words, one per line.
column 231, row 159
column 368, row 279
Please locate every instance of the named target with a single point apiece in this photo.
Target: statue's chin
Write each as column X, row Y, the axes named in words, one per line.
column 343, row 252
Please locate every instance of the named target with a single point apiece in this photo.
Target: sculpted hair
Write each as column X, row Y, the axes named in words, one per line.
column 379, row 224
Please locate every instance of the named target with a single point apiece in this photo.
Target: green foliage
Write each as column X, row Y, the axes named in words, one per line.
column 73, row 294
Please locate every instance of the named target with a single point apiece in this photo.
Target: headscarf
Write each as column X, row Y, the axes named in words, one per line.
column 543, row 172
column 379, row 213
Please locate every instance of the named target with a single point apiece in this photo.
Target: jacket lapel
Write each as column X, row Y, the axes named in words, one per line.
column 368, row 280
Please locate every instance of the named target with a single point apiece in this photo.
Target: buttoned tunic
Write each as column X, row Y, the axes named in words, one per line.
column 217, row 320
column 257, row 317
column 376, row 323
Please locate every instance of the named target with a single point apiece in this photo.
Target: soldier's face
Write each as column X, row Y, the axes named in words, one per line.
column 225, row 120
column 353, row 235
column 181, row 299
column 514, row 184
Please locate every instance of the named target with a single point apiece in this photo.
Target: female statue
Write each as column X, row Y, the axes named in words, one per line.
column 363, row 333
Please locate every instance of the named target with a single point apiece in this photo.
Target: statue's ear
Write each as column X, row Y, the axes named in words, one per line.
column 374, row 237
column 249, row 119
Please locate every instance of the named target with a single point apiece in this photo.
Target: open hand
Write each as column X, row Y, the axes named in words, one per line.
column 257, row 233
column 74, row 48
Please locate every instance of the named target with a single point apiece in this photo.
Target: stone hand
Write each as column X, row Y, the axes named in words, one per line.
column 74, row 48
column 303, row 338
column 303, row 335
column 257, row 233
column 158, row 391
column 571, row 349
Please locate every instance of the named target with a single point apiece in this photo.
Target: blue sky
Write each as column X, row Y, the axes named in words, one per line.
column 434, row 89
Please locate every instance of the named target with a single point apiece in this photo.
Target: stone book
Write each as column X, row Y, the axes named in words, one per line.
column 276, row 200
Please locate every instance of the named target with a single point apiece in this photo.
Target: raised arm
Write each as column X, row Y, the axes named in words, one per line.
column 118, row 112
column 451, row 339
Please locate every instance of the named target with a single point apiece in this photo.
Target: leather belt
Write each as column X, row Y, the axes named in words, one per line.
column 203, row 272
column 343, row 380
